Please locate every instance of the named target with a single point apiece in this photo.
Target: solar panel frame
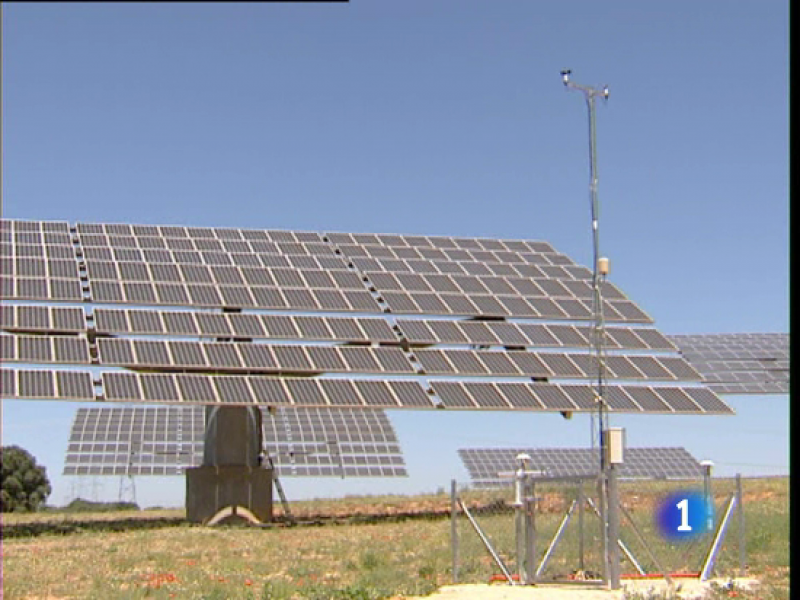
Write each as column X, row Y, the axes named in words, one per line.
column 452, row 394
column 74, row 385
column 223, row 355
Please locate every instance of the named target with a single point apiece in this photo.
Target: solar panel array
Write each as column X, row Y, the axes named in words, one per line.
column 484, row 465
column 739, row 363
column 298, row 318
column 165, row 440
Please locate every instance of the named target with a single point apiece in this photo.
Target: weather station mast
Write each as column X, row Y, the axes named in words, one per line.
column 599, row 427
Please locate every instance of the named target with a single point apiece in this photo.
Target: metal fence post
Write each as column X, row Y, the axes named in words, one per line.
column 519, row 536
column 613, row 528
column 454, row 527
column 707, row 493
column 581, row 563
column 740, row 507
column 530, row 533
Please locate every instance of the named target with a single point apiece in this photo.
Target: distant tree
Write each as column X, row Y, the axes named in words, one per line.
column 23, row 484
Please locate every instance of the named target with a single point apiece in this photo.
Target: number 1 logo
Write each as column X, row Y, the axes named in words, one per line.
column 683, row 506
column 683, row 515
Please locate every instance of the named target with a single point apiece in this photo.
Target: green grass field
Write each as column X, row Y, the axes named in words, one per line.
column 381, row 559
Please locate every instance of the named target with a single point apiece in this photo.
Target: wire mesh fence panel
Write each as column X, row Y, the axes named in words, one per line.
column 639, row 529
column 730, row 557
column 576, row 554
column 492, row 510
column 568, row 533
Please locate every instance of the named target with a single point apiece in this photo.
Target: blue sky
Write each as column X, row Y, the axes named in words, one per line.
column 428, row 117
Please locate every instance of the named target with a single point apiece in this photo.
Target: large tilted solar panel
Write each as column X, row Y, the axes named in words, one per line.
column 239, row 317
column 165, row 440
column 214, row 267
column 739, row 363
column 485, row 464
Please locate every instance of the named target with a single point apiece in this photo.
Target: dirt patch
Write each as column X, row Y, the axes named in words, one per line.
column 685, row 588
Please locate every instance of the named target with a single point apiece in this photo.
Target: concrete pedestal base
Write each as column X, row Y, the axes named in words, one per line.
column 209, row 490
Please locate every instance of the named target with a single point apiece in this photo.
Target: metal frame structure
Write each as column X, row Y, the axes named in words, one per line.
column 607, row 481
column 526, row 538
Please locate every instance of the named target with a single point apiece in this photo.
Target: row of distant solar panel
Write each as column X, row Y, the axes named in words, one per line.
column 38, row 384
column 752, row 387
column 393, row 240
column 240, row 325
column 139, row 293
column 41, row 318
column 395, row 253
column 491, row 333
column 227, row 356
column 59, row 290
column 485, row 464
column 300, row 440
column 576, row 397
column 227, row 389
column 387, row 245
column 186, row 423
column 553, row 365
column 741, row 371
column 252, row 357
column 400, row 266
column 14, row 225
column 289, row 470
column 187, row 258
column 490, row 305
column 224, row 275
column 210, row 389
column 746, row 363
column 441, row 242
column 44, row 349
column 363, row 329
column 299, row 256
column 321, row 359
column 39, row 267
column 527, row 287
column 49, row 249
column 197, row 295
column 177, row 231
column 206, row 246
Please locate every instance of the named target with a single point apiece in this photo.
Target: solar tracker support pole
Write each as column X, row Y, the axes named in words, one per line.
column 454, row 527
column 530, row 532
column 231, row 474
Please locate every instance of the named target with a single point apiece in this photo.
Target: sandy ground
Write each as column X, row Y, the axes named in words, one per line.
column 685, row 589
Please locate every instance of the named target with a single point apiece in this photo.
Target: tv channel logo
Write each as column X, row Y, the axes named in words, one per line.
column 684, row 515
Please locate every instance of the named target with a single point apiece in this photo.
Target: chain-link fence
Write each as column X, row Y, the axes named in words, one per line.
column 489, row 541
